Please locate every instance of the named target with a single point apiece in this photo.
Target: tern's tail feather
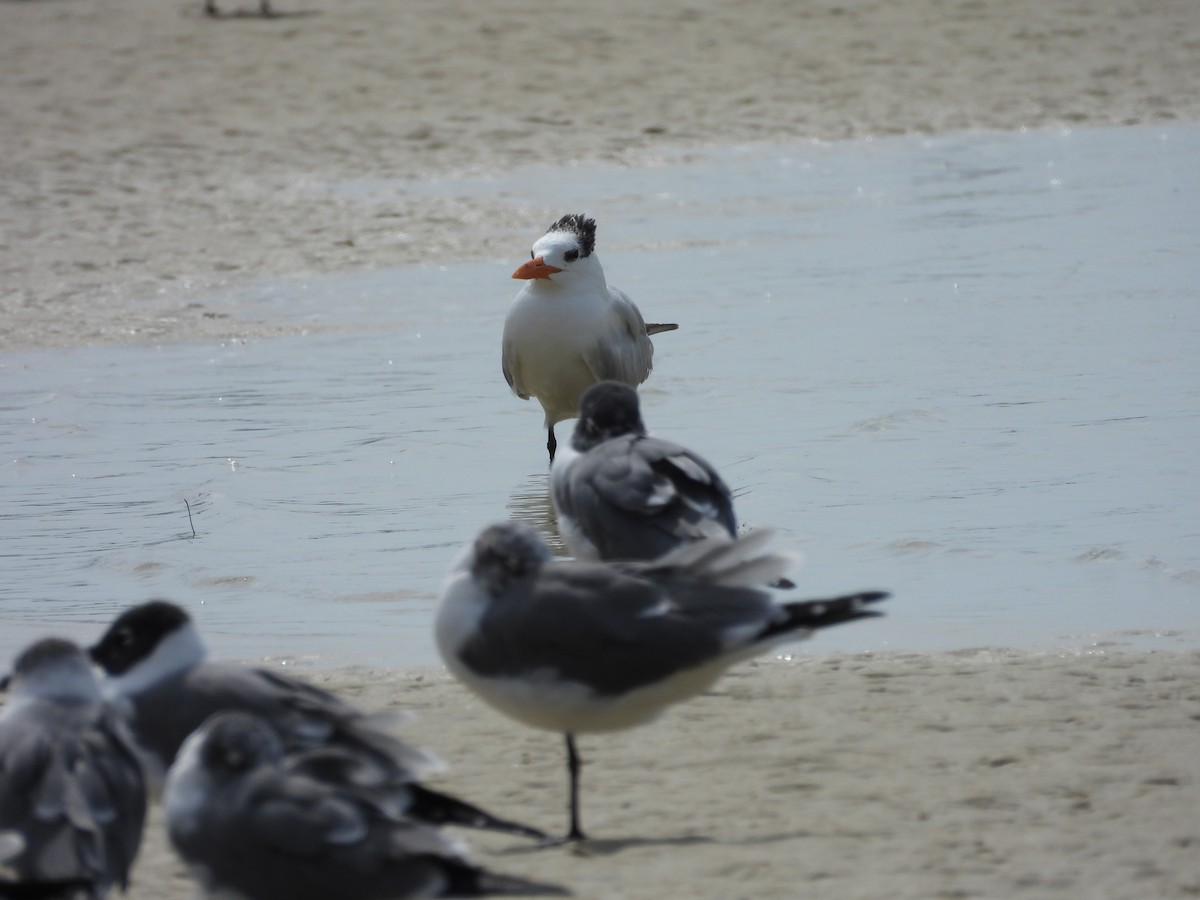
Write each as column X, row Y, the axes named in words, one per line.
column 657, row 327
column 809, row 615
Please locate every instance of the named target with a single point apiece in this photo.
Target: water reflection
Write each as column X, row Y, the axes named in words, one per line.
column 531, row 504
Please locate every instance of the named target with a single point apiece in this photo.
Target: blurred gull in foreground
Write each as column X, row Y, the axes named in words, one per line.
column 158, row 673
column 252, row 824
column 72, row 799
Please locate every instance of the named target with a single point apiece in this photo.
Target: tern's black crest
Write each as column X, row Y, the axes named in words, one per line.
column 580, row 225
column 135, row 634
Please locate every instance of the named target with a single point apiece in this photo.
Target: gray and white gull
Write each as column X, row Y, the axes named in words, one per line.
column 251, row 822
column 577, row 647
column 158, row 672
column 620, row 493
column 72, row 796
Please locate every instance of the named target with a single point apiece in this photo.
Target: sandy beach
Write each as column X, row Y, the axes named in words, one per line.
column 975, row 774
column 150, row 155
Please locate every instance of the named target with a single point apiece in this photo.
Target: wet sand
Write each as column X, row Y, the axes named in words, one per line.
column 150, row 156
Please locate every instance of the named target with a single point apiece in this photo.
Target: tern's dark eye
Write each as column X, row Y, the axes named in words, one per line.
column 571, row 255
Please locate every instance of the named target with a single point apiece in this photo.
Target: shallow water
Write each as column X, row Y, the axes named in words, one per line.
column 961, row 368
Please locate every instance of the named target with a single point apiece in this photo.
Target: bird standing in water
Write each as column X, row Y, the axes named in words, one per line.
column 568, row 328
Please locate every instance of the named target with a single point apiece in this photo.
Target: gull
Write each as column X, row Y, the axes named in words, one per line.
column 251, row 824
column 568, row 328
column 72, row 797
column 621, row 494
column 157, row 672
column 576, row 647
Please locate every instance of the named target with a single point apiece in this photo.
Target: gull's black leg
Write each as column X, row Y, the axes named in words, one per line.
column 576, row 833
column 551, row 443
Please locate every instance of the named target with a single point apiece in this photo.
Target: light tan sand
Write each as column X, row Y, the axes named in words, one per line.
column 984, row 774
column 149, row 154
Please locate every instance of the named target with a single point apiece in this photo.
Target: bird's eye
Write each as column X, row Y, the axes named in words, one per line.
column 571, row 255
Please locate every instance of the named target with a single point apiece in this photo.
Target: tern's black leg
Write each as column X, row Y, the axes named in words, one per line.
column 576, row 833
column 551, row 443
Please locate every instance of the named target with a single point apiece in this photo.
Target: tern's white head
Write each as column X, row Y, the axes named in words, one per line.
column 564, row 254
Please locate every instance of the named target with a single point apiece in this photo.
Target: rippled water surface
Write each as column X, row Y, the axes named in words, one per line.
column 963, row 368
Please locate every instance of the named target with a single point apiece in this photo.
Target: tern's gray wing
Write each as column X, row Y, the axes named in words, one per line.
column 304, row 715
column 610, row 629
column 510, row 364
column 72, row 798
column 623, row 352
column 638, row 497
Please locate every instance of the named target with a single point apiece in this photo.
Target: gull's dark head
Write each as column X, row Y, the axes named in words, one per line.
column 135, row 634
column 608, row 409
column 506, row 553
column 53, row 668
column 236, row 742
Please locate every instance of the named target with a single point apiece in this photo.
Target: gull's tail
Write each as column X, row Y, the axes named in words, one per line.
column 809, row 615
column 468, row 881
column 442, row 809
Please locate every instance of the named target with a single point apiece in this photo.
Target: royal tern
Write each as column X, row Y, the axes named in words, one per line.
column 251, row 824
column 568, row 328
column 72, row 797
column 577, row 647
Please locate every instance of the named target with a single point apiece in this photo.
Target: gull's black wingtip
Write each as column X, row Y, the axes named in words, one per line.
column 814, row 614
column 443, row 809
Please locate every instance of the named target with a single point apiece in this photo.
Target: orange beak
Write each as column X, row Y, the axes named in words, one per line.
column 535, row 268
